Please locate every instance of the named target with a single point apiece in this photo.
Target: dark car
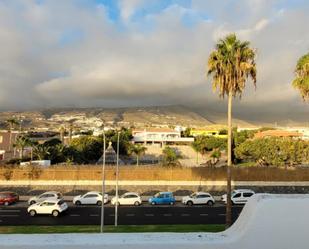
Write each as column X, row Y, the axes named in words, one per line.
column 7, row 198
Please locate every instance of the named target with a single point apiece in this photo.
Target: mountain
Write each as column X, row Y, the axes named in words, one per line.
column 133, row 116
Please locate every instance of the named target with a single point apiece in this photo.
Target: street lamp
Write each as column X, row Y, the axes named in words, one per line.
column 103, row 182
column 117, row 175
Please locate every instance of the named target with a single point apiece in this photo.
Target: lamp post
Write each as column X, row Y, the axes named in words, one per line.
column 103, row 182
column 117, row 175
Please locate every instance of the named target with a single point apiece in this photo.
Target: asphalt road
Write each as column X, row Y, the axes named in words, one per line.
column 128, row 215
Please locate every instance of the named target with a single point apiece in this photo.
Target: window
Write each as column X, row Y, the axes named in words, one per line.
column 237, row 195
column 247, row 194
column 90, row 196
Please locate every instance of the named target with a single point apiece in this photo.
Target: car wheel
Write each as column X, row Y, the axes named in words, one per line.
column 32, row 213
column 210, row 203
column 189, row 203
column 55, row 213
column 32, row 202
column 153, row 203
column 6, row 203
column 136, row 203
column 99, row 203
column 172, row 203
column 78, row 203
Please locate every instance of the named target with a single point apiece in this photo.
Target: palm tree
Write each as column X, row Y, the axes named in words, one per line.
column 41, row 151
column 137, row 150
column 11, row 122
column 230, row 65
column 301, row 81
column 22, row 142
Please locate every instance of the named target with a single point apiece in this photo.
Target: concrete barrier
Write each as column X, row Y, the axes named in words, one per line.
column 267, row 221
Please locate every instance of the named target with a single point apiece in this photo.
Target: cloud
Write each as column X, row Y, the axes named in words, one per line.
column 73, row 54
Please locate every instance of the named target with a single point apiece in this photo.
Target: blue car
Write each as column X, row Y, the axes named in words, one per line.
column 162, row 198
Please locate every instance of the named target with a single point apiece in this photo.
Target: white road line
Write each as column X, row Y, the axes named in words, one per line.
column 203, row 214
column 221, row 214
column 9, row 211
column 9, row 215
column 185, row 214
column 149, row 214
column 94, row 215
column 111, row 215
column 167, row 214
column 130, row 215
column 74, row 215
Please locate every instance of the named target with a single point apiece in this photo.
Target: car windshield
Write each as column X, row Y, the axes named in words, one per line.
column 193, row 195
column 157, row 195
column 60, row 202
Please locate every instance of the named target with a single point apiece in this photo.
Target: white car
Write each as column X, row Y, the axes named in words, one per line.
column 239, row 196
column 129, row 198
column 47, row 195
column 198, row 198
column 49, row 206
column 92, row 197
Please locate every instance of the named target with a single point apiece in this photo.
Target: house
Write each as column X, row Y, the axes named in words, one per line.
column 210, row 133
column 278, row 133
column 7, row 139
column 159, row 136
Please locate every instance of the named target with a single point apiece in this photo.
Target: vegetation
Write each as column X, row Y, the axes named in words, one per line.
column 137, row 150
column 170, row 157
column 111, row 229
column 230, row 65
column 274, row 151
column 301, row 81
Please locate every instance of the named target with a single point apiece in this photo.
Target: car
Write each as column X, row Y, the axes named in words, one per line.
column 239, row 196
column 7, row 198
column 198, row 198
column 92, row 197
column 49, row 206
column 47, row 195
column 162, row 198
column 129, row 198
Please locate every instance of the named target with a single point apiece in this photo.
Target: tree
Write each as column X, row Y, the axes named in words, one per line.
column 230, row 65
column 137, row 150
column 12, row 122
column 41, row 152
column 22, row 142
column 301, row 81
column 170, row 157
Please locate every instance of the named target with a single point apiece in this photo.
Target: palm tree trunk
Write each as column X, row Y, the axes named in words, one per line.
column 137, row 160
column 10, row 138
column 229, row 163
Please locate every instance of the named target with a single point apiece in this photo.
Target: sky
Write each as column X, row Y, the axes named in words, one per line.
column 109, row 53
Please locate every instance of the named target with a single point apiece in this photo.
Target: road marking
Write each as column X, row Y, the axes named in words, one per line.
column 74, row 215
column 94, row 215
column 149, row 214
column 185, row 214
column 130, row 215
column 111, row 215
column 203, row 214
column 10, row 211
column 167, row 214
column 9, row 215
column 221, row 214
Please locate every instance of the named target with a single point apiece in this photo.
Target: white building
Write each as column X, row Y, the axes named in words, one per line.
column 157, row 135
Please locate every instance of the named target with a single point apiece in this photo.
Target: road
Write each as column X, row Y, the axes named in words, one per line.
column 128, row 215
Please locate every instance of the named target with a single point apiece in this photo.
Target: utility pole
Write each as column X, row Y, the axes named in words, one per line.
column 117, row 175
column 103, row 182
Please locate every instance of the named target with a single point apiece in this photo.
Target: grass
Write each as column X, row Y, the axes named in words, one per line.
column 110, row 229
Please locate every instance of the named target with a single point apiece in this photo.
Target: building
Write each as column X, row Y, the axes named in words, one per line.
column 159, row 136
column 210, row 133
column 7, row 139
column 278, row 133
